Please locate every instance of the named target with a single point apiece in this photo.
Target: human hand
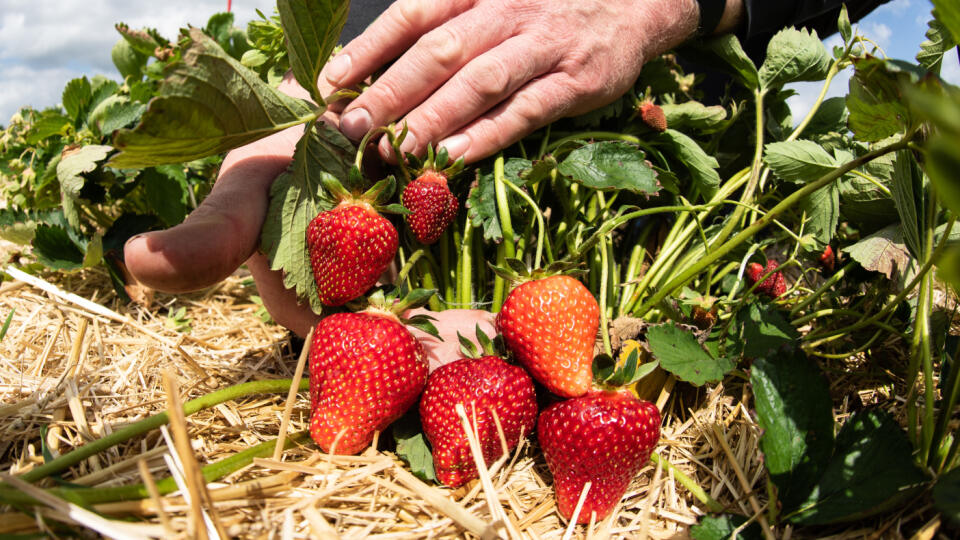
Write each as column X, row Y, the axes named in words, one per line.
column 449, row 323
column 477, row 75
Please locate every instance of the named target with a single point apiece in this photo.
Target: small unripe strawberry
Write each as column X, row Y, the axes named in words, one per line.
column 431, row 204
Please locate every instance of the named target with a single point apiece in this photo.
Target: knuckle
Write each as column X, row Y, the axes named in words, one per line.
column 410, row 14
column 443, row 46
column 384, row 98
column 489, row 79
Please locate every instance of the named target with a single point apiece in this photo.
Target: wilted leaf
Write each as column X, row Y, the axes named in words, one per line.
column 680, row 353
column 796, row 415
column 882, row 251
column 794, row 55
column 208, row 103
column 609, row 165
column 74, row 163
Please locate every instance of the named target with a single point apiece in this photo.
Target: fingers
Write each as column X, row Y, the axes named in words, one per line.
column 280, row 302
column 426, row 66
column 535, row 105
column 393, row 32
column 476, row 88
column 223, row 231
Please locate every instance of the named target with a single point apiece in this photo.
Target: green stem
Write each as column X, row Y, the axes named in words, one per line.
column 449, row 290
column 604, row 280
column 799, row 321
column 748, row 232
column 541, row 228
column 409, row 264
column 506, row 249
column 951, row 395
column 830, row 282
column 596, row 135
column 273, row 386
column 692, row 486
column 465, row 277
column 211, row 473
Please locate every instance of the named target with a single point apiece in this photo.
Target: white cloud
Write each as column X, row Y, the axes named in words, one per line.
column 950, row 71
column 898, row 7
column 878, row 32
column 45, row 43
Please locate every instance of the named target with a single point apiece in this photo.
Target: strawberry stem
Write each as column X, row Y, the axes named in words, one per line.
column 692, row 486
column 273, row 386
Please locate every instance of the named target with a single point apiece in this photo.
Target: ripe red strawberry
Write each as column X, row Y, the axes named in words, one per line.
column 652, row 115
column 482, row 385
column 350, row 246
column 550, row 325
column 431, row 204
column 828, row 259
column 366, row 370
column 774, row 286
column 604, row 438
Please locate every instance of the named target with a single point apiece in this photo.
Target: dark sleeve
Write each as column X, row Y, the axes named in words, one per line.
column 362, row 13
column 766, row 17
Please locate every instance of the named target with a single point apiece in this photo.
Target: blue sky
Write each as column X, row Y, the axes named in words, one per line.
column 45, row 43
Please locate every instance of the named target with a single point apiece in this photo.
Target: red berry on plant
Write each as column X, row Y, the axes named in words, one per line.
column 366, row 370
column 652, row 115
column 828, row 259
column 603, row 438
column 550, row 325
column 484, row 386
column 774, row 286
column 350, row 247
column 431, row 204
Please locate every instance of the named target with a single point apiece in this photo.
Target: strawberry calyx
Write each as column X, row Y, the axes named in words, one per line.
column 394, row 303
column 517, row 272
column 612, row 376
column 374, row 199
column 488, row 347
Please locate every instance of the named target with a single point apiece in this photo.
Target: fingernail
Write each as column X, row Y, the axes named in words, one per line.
column 337, row 69
column 356, row 123
column 457, row 145
column 409, row 143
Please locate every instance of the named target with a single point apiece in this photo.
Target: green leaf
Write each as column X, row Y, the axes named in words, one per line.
column 76, row 96
column 296, row 197
column 798, row 161
column 482, row 199
column 765, row 332
column 94, row 252
column 120, row 115
column 208, row 104
column 702, row 167
column 50, row 123
column 822, row 209
column 948, row 13
column 794, row 55
column 16, row 226
column 680, row 353
column 145, row 41
column 312, row 29
column 128, row 61
column 54, row 248
column 726, row 53
column 73, row 164
column 723, row 527
column 872, row 470
column 942, row 164
column 876, row 103
column 946, row 493
column 830, row 117
column 865, row 203
column 938, row 43
column 906, row 186
column 610, row 165
column 412, row 446
column 795, row 413
column 883, row 251
column 164, row 195
column 6, row 323
column 843, row 24
column 693, row 115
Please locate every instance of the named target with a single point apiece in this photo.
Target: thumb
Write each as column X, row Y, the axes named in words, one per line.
column 223, row 231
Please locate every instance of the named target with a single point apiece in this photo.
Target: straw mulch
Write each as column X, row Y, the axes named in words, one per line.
column 81, row 375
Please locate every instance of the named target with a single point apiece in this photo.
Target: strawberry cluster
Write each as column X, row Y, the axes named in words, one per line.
column 367, row 369
column 774, row 285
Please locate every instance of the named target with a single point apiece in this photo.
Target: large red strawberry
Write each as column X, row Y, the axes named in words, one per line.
column 483, row 385
column 431, row 204
column 350, row 246
column 550, row 324
column 366, row 370
column 603, row 438
column 774, row 286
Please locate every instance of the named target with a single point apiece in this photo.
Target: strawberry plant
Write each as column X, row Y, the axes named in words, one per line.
column 734, row 241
